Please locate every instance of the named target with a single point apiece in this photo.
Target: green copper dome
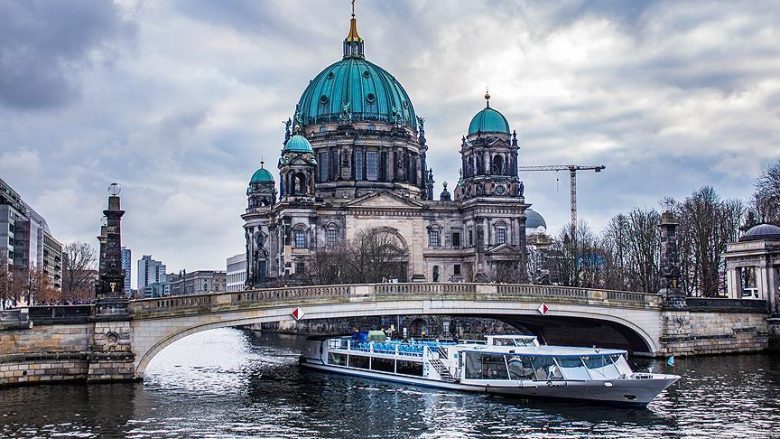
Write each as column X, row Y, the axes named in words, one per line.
column 298, row 143
column 489, row 121
column 354, row 89
column 261, row 176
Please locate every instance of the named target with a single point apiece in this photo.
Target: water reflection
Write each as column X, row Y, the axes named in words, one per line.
column 228, row 383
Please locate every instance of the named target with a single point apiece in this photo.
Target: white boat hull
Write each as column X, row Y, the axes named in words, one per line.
column 623, row 391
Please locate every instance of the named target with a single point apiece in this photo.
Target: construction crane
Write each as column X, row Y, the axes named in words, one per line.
column 572, row 181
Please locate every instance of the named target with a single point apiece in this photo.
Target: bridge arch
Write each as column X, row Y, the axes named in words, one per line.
column 641, row 327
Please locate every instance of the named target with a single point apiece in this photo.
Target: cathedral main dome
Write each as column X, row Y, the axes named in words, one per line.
column 354, row 90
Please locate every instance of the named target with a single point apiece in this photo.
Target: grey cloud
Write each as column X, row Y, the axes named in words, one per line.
column 669, row 95
column 45, row 45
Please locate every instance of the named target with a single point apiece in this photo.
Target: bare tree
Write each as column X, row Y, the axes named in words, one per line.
column 631, row 243
column 78, row 271
column 38, row 288
column 765, row 204
column 373, row 255
column 707, row 224
column 577, row 259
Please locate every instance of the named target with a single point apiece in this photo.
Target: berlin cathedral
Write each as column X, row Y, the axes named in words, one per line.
column 354, row 158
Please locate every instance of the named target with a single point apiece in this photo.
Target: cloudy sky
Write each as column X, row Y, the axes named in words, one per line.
column 179, row 100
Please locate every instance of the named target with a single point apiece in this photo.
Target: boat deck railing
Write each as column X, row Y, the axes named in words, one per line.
column 411, row 349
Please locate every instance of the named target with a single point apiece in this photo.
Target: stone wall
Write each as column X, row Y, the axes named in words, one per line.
column 44, row 354
column 773, row 326
column 707, row 333
column 95, row 351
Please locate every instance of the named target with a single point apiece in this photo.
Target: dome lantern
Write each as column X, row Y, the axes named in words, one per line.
column 353, row 44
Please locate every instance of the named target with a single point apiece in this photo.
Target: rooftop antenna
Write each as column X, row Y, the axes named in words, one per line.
column 353, row 8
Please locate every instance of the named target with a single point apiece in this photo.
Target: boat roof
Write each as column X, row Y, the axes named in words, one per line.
column 540, row 350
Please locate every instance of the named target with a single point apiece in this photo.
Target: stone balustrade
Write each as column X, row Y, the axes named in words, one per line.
column 385, row 292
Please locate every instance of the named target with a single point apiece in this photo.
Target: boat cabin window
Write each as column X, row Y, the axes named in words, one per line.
column 545, row 368
column 410, row 368
column 573, row 368
column 601, row 367
column 515, row 341
column 520, row 368
column 358, row 361
column 485, row 366
column 337, row 359
column 621, row 364
column 383, row 364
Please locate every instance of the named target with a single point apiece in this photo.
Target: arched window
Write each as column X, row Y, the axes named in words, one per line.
column 300, row 234
column 300, row 184
column 498, row 165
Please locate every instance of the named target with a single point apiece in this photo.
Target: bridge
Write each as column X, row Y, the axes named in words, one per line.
column 62, row 343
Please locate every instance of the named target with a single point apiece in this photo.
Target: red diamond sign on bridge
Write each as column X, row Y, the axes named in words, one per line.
column 543, row 309
column 297, row 313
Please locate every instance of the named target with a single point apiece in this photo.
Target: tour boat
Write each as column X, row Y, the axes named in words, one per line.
column 503, row 364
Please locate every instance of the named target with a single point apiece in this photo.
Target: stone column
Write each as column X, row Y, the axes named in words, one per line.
column 673, row 296
column 109, row 293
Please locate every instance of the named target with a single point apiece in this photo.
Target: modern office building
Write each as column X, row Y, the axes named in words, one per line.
column 52, row 259
column 150, row 272
column 127, row 267
column 236, row 273
column 25, row 237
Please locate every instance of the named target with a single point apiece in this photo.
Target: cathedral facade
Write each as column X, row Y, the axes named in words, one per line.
column 354, row 159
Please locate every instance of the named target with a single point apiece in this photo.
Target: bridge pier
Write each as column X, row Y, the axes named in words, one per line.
column 111, row 355
column 65, row 344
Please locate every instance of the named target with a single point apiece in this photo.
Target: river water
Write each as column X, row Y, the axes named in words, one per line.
column 230, row 383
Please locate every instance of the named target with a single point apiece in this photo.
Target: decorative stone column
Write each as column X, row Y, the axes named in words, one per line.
column 110, row 357
column 109, row 294
column 673, row 295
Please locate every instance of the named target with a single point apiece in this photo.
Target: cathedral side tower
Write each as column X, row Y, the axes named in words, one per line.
column 297, row 168
column 491, row 197
column 261, row 198
column 489, row 158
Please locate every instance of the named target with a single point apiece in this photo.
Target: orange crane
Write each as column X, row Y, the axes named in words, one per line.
column 572, row 181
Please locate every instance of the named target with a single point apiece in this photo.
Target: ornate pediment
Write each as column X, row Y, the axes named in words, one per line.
column 504, row 249
column 384, row 200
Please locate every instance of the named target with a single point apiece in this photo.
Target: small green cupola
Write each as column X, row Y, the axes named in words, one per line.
column 262, row 189
column 489, row 121
column 298, row 143
column 262, row 176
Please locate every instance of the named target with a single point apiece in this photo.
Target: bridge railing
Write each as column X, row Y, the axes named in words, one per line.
column 384, row 292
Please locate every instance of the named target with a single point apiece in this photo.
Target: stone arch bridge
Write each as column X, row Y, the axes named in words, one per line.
column 110, row 347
